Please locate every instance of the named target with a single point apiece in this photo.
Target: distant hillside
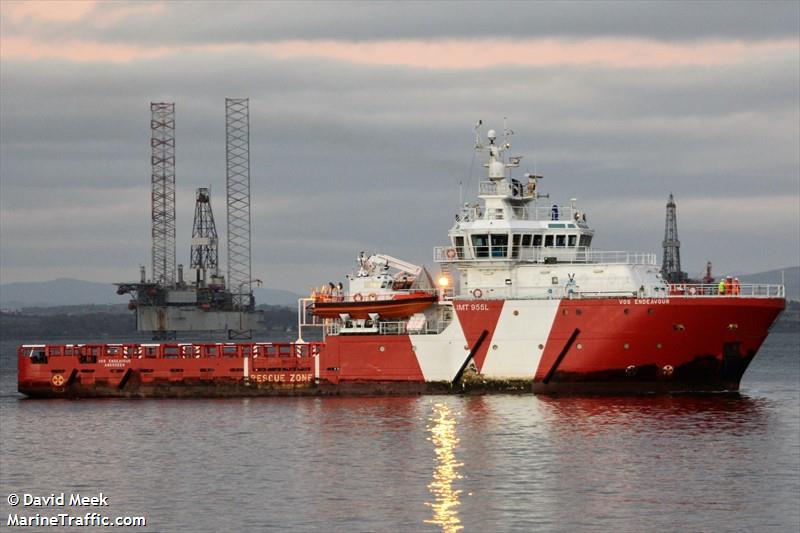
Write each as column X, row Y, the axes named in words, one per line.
column 61, row 291
column 791, row 277
column 276, row 297
column 66, row 291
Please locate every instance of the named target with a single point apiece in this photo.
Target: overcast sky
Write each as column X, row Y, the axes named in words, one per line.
column 361, row 125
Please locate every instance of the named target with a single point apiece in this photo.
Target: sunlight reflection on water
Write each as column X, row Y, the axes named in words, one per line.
column 442, row 429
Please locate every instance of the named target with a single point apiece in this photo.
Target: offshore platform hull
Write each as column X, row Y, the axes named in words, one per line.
column 588, row 345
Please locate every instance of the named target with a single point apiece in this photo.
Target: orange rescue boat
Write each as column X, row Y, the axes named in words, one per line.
column 398, row 306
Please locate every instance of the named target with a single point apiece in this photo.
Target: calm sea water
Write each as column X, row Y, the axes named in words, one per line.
column 430, row 463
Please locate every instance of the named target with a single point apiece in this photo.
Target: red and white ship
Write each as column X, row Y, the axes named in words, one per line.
column 522, row 303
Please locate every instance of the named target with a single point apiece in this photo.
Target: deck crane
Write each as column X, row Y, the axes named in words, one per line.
column 370, row 265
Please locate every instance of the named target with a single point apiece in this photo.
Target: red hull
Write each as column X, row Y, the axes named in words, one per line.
column 594, row 345
column 687, row 345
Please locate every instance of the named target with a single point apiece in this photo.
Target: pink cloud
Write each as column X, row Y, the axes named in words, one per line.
column 66, row 11
column 79, row 51
column 46, row 10
column 17, row 43
column 440, row 54
column 460, row 54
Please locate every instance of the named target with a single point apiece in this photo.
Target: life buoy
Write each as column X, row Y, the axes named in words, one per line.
column 57, row 380
column 451, row 253
column 373, row 297
column 477, row 293
column 692, row 290
column 357, row 297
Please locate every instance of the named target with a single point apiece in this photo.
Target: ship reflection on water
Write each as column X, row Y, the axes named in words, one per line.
column 442, row 430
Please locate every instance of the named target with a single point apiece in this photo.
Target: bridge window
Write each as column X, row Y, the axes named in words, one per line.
column 526, row 239
column 585, row 241
column 515, row 249
column 561, row 240
column 459, row 247
column 499, row 245
column 537, row 240
column 548, row 241
column 480, row 243
column 573, row 239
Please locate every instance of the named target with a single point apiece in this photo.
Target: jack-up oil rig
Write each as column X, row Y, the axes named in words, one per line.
column 167, row 304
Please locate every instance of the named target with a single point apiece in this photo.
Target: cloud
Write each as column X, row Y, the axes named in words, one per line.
column 357, row 149
column 174, row 23
column 19, row 13
column 77, row 50
column 480, row 54
column 435, row 35
column 440, row 54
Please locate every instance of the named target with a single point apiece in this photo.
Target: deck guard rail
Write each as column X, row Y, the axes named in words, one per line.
column 89, row 353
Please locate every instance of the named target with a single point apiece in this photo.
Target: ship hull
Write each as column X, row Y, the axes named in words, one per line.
column 654, row 345
column 240, row 389
column 377, row 388
column 600, row 345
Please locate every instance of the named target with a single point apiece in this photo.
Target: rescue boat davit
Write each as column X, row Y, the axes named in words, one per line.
column 523, row 302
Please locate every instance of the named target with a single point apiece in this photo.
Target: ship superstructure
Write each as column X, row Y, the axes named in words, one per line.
column 513, row 245
column 523, row 303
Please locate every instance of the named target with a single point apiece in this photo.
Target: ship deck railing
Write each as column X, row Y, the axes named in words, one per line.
column 549, row 255
column 549, row 212
column 666, row 292
column 744, row 290
column 91, row 353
